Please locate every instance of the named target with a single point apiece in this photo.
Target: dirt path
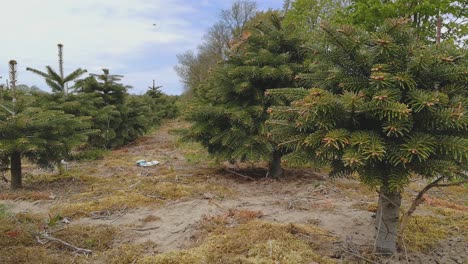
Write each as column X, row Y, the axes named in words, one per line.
column 289, row 201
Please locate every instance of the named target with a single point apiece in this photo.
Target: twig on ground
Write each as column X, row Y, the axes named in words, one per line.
column 78, row 250
column 156, row 197
column 361, row 257
column 135, row 184
column 145, row 229
column 241, row 175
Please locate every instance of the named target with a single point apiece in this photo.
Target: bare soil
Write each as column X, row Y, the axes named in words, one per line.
column 343, row 207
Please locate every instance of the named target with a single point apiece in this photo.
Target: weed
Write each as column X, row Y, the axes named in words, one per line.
column 3, row 211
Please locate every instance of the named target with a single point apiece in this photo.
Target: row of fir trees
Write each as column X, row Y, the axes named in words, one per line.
column 379, row 105
column 73, row 121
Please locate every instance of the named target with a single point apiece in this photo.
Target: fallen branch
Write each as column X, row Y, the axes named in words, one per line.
column 145, row 229
column 156, row 197
column 78, row 250
column 135, row 184
column 241, row 175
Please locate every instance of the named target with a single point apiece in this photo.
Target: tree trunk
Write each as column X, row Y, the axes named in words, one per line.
column 387, row 221
column 275, row 170
column 439, row 30
column 15, row 169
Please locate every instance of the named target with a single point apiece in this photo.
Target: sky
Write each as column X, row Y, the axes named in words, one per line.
column 135, row 38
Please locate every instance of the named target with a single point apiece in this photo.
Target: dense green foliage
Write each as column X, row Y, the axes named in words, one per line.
column 229, row 109
column 383, row 107
column 43, row 136
column 97, row 114
column 423, row 15
column 370, row 14
column 118, row 116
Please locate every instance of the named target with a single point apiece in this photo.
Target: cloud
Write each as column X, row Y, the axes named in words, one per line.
column 95, row 34
column 138, row 38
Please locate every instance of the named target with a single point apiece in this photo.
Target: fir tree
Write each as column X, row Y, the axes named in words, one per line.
column 384, row 107
column 41, row 135
column 229, row 111
column 161, row 105
column 58, row 82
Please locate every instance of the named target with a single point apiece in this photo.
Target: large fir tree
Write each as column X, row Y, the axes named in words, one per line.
column 384, row 107
column 229, row 111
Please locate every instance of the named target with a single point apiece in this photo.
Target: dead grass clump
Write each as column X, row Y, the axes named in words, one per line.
column 425, row 232
column 34, row 254
column 125, row 254
column 433, row 201
column 369, row 207
column 254, row 242
column 14, row 233
column 25, row 195
column 99, row 237
column 172, row 189
column 125, row 190
column 217, row 223
column 150, row 218
column 112, row 203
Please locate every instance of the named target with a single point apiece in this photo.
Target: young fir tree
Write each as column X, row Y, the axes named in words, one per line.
column 120, row 117
column 229, row 110
column 29, row 131
column 384, row 107
column 58, row 82
column 162, row 106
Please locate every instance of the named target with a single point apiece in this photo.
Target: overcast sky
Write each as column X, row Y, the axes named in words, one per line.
column 114, row 34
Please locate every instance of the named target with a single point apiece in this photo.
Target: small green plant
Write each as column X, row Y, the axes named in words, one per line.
column 3, row 211
column 54, row 220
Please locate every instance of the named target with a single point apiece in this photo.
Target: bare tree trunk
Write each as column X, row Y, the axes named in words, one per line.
column 15, row 169
column 387, row 221
column 275, row 170
column 439, row 30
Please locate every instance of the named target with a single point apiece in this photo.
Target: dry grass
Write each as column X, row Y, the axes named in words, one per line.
column 18, row 243
column 369, row 207
column 254, row 242
column 125, row 254
column 433, row 201
column 120, row 193
column 95, row 237
column 425, row 232
column 35, row 254
column 25, row 195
